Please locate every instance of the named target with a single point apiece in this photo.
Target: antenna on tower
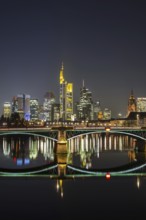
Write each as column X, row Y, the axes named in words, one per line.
column 62, row 66
column 83, row 83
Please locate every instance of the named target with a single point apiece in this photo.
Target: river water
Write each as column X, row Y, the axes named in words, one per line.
column 79, row 196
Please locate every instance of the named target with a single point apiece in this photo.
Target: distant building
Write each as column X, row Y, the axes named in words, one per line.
column 136, row 119
column 49, row 100
column 34, row 109
column 131, row 103
column 106, row 114
column 55, row 112
column 97, row 109
column 85, row 105
column 14, row 106
column 65, row 97
column 141, row 104
column 23, row 105
column 7, row 110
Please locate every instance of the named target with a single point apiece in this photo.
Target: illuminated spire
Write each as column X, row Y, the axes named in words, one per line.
column 62, row 67
column 61, row 74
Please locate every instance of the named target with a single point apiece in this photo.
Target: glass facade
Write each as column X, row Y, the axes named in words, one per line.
column 66, row 97
column 141, row 104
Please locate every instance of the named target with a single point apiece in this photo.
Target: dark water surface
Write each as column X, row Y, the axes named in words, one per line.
column 84, row 197
column 32, row 198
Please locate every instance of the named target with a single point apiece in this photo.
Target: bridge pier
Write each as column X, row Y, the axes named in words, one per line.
column 61, row 152
column 61, row 146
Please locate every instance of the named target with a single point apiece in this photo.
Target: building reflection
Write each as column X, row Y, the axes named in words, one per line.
column 84, row 148
column 88, row 146
column 27, row 148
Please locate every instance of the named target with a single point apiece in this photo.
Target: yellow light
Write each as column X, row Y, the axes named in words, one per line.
column 57, row 185
column 69, row 87
column 107, row 129
column 61, row 77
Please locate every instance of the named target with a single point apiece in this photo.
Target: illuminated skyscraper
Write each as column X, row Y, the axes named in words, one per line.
column 49, row 100
column 85, row 105
column 7, row 109
column 24, row 106
column 34, row 109
column 66, row 97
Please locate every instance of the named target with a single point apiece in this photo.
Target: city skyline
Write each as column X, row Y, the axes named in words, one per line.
column 102, row 43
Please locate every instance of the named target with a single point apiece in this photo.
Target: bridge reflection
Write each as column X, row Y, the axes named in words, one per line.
column 62, row 166
column 59, row 155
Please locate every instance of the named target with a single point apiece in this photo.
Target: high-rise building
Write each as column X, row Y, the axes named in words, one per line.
column 66, row 97
column 7, row 110
column 131, row 103
column 24, row 106
column 97, row 109
column 34, row 109
column 85, row 105
column 141, row 104
column 55, row 111
column 49, row 100
column 14, row 104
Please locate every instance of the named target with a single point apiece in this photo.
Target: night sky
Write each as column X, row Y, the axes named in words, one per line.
column 99, row 41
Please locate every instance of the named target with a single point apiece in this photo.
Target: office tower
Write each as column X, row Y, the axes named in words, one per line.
column 85, row 104
column 7, row 110
column 55, row 111
column 66, row 97
column 131, row 103
column 14, row 106
column 49, row 100
column 34, row 109
column 97, row 109
column 141, row 104
column 24, row 106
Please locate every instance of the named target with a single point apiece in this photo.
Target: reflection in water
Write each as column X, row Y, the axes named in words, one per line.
column 87, row 150
column 93, row 151
column 138, row 182
column 25, row 149
column 59, row 186
column 90, row 152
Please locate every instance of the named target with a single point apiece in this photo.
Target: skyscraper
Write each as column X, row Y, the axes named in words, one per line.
column 34, row 109
column 49, row 100
column 66, row 97
column 24, row 106
column 7, row 109
column 85, row 104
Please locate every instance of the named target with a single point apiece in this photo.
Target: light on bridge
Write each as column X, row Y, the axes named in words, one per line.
column 108, row 176
column 107, row 129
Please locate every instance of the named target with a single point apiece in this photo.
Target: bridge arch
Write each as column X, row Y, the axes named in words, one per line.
column 29, row 171
column 130, row 170
column 109, row 132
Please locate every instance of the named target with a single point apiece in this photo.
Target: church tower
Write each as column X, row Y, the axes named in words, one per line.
column 131, row 103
